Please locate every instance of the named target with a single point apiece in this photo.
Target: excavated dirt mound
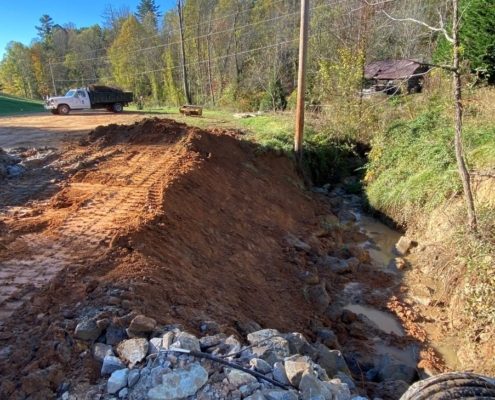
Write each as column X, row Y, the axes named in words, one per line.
column 178, row 223
column 189, row 227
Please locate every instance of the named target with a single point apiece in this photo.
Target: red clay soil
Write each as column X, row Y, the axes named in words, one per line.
column 180, row 224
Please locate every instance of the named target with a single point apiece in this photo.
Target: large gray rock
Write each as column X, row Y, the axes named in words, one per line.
column 313, row 389
column 279, row 373
column 117, row 380
column 260, row 365
column 111, row 364
column 239, row 378
column 269, row 345
column 186, row 341
column 296, row 367
column 141, row 325
column 133, row 350
column 340, row 391
column 87, row 330
column 256, row 396
column 155, row 345
column 279, row 394
column 101, row 350
column 115, row 334
column 299, row 345
column 180, row 383
column 331, row 361
column 133, row 377
column 328, row 338
column 207, row 342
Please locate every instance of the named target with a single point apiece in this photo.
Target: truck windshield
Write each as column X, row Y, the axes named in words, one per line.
column 70, row 93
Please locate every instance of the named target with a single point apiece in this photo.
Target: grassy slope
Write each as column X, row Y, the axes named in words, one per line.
column 412, row 177
column 412, row 167
column 11, row 105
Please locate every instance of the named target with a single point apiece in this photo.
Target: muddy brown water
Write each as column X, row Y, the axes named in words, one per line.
column 381, row 248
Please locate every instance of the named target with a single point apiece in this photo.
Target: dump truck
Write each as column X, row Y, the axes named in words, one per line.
column 90, row 97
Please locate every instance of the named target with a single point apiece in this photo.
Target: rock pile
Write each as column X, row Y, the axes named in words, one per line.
column 166, row 363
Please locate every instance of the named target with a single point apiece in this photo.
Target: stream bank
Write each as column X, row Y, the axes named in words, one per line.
column 398, row 307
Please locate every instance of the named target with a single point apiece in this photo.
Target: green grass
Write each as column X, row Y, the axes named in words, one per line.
column 412, row 167
column 11, row 105
column 327, row 159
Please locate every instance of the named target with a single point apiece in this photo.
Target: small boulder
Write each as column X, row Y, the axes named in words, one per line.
column 168, row 339
column 111, row 364
column 180, row 383
column 331, row 361
column 260, row 365
column 186, row 341
column 403, row 246
column 155, row 345
column 207, row 342
column 313, row 389
column 279, row 394
column 133, row 350
column 141, row 325
column 117, row 380
column 87, row 330
column 133, row 377
column 256, row 396
column 115, row 334
column 101, row 350
column 269, row 345
column 279, row 373
column 296, row 367
column 239, row 378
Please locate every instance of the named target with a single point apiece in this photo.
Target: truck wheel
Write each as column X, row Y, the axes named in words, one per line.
column 63, row 109
column 117, row 107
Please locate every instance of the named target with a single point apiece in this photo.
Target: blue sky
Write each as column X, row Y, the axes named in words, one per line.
column 19, row 17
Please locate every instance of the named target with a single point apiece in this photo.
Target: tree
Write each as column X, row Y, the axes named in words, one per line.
column 477, row 36
column 148, row 8
column 46, row 28
column 126, row 57
column 455, row 39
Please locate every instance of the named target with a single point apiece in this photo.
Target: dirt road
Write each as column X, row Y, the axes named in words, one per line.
column 45, row 129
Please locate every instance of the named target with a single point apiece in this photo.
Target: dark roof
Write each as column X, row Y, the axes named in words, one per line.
column 392, row 69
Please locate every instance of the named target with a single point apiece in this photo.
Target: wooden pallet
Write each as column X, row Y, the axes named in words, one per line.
column 191, row 110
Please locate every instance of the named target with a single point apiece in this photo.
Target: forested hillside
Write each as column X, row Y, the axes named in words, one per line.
column 237, row 53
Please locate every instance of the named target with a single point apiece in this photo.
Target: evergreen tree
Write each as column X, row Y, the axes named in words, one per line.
column 147, row 8
column 46, row 28
column 477, row 37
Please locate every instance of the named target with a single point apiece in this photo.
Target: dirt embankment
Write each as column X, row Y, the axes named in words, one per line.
column 185, row 226
column 178, row 223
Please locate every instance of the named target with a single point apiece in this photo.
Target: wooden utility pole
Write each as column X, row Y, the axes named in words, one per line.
column 301, row 79
column 53, row 80
column 185, row 82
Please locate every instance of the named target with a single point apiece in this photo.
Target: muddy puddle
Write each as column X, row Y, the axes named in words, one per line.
column 381, row 248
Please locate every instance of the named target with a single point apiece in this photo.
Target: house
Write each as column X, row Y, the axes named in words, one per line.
column 390, row 76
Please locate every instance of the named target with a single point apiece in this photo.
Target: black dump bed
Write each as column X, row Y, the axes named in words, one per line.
column 108, row 95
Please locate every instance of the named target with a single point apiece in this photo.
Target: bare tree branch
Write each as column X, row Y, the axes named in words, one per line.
column 431, row 28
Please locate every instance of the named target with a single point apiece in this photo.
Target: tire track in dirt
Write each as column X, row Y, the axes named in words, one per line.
column 133, row 189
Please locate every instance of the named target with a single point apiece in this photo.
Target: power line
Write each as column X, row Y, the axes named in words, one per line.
column 169, row 31
column 197, row 62
column 215, row 33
